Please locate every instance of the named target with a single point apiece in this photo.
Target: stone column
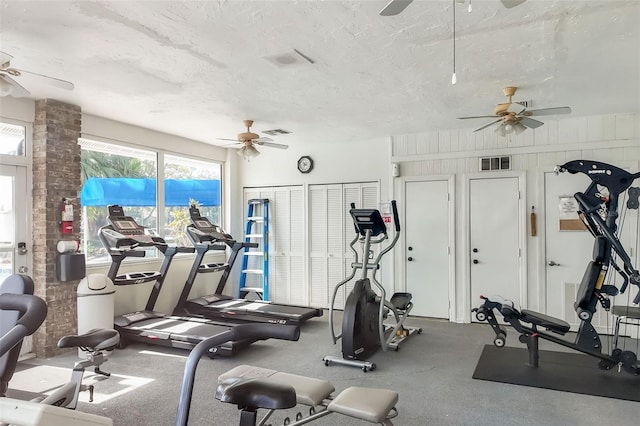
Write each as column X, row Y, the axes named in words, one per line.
column 56, row 176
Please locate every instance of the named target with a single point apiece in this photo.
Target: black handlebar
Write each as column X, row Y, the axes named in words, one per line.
column 239, row 332
column 34, row 311
column 396, row 219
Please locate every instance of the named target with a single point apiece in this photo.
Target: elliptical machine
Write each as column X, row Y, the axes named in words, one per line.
column 363, row 327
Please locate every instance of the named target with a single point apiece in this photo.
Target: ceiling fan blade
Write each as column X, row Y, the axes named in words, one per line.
column 63, row 84
column 395, row 7
column 489, row 124
column 511, row 3
column 477, row 116
column 549, row 111
column 233, row 140
column 516, row 108
column 272, row 145
column 5, row 58
column 263, row 139
column 234, row 145
column 14, row 89
column 530, row 122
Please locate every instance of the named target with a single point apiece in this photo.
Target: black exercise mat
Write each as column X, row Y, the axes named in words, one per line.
column 562, row 371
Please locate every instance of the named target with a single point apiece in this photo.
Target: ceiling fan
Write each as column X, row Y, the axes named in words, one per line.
column 248, row 139
column 514, row 116
column 394, row 7
column 10, row 87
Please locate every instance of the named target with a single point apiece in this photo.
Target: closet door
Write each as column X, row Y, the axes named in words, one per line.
column 286, row 243
column 330, row 232
column 325, row 242
column 286, row 246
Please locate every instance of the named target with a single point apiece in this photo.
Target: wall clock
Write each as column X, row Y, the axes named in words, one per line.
column 305, row 164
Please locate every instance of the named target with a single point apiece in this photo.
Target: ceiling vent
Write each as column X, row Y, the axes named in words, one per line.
column 276, row 132
column 495, row 163
column 526, row 104
column 293, row 57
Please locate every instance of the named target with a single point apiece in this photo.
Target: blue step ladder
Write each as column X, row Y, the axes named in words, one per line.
column 254, row 279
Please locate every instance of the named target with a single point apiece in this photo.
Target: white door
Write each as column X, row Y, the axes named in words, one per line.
column 495, row 239
column 427, row 246
column 569, row 250
column 15, row 246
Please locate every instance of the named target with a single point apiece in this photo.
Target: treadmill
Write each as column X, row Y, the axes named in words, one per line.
column 205, row 236
column 125, row 238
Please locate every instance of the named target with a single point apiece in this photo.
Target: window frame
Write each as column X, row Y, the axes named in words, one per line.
column 160, row 192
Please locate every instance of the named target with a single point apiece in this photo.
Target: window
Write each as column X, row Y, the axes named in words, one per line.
column 188, row 181
column 117, row 174
column 12, row 140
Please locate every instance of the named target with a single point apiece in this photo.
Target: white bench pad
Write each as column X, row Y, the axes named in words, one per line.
column 370, row 404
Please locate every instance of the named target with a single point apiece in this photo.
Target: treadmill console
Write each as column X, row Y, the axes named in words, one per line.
column 203, row 230
column 126, row 228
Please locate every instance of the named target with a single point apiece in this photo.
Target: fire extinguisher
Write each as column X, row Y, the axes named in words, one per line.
column 66, row 224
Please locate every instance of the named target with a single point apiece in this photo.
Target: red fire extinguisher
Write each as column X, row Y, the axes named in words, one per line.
column 66, row 224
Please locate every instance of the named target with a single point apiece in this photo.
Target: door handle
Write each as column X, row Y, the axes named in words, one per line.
column 22, row 248
column 552, row 263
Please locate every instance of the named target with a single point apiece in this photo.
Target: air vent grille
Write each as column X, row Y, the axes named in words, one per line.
column 276, row 132
column 495, row 163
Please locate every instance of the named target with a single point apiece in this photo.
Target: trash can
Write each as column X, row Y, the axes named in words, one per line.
column 96, row 296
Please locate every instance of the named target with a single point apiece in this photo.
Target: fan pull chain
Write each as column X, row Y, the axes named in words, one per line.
column 454, row 80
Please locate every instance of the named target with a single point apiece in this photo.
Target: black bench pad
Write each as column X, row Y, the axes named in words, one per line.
column 546, row 321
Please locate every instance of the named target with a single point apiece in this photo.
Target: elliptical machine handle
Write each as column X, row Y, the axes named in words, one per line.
column 396, row 219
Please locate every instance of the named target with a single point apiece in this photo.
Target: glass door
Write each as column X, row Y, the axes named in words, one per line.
column 15, row 247
column 13, row 221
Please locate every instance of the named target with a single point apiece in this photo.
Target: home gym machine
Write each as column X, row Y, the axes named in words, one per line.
column 125, row 238
column 598, row 209
column 363, row 327
column 205, row 237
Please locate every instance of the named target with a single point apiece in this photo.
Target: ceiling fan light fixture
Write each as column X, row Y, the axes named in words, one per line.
column 500, row 130
column 519, row 128
column 248, row 152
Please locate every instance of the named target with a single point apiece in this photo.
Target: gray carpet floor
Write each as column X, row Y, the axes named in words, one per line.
column 431, row 372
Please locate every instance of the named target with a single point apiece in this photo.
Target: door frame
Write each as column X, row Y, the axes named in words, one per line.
column 26, row 162
column 400, row 256
column 468, row 301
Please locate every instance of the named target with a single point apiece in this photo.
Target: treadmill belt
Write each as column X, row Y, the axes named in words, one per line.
column 561, row 371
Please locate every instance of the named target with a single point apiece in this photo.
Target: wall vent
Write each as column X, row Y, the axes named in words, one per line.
column 276, row 132
column 495, row 163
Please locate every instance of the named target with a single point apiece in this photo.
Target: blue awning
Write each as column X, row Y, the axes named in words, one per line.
column 142, row 192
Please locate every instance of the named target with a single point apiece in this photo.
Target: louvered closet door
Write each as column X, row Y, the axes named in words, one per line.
column 253, row 262
column 286, row 246
column 331, row 230
column 365, row 196
column 325, row 242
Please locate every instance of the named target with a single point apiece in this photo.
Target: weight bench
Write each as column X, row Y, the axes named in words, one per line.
column 373, row 405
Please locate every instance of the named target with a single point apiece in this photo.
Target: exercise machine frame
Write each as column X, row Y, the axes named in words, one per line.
column 370, row 230
column 598, row 209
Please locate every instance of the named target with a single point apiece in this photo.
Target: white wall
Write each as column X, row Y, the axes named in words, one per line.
column 334, row 162
column 17, row 109
column 613, row 138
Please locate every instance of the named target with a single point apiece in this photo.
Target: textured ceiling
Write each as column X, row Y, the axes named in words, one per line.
column 198, row 68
